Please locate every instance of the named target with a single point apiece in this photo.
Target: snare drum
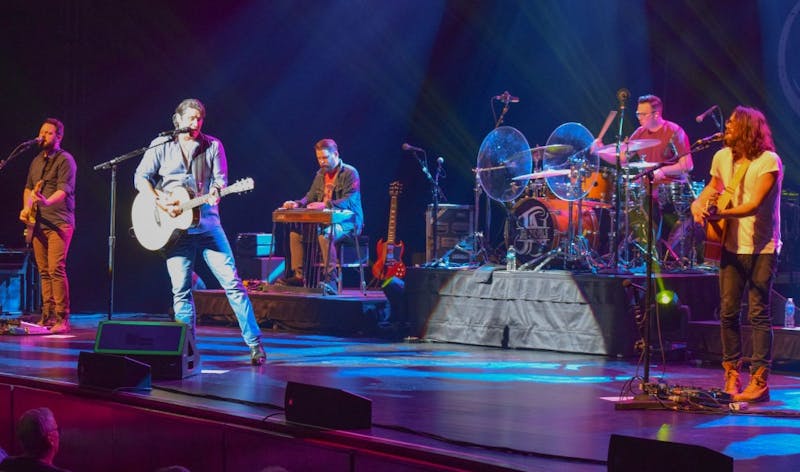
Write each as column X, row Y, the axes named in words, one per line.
column 541, row 223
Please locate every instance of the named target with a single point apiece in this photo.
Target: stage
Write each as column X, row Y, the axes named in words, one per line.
column 435, row 406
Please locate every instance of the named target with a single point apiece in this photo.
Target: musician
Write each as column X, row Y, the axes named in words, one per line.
column 673, row 143
column 197, row 161
column 49, row 202
column 336, row 186
column 751, row 243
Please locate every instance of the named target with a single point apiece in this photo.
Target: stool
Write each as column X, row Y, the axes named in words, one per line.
column 353, row 252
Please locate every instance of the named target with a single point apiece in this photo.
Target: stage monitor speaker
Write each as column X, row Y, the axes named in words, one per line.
column 168, row 347
column 109, row 371
column 326, row 407
column 454, row 224
column 630, row 454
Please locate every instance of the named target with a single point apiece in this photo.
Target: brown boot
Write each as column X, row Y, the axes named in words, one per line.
column 732, row 383
column 757, row 390
column 62, row 324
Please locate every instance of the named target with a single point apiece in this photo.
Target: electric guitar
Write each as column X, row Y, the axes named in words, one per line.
column 30, row 218
column 390, row 253
column 155, row 228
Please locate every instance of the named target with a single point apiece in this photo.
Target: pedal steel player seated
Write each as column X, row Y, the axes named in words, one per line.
column 336, row 186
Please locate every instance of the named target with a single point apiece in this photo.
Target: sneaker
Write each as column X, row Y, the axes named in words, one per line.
column 61, row 327
column 257, row 354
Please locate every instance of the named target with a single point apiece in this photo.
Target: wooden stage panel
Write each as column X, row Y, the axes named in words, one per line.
column 553, row 310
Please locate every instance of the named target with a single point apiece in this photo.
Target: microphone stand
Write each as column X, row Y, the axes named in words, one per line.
column 423, row 162
column 16, row 152
column 112, row 238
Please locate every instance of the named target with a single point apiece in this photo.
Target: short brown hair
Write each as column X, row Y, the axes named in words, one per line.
column 655, row 102
column 58, row 124
column 328, row 144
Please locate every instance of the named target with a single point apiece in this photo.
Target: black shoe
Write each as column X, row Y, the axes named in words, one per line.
column 293, row 281
column 257, row 354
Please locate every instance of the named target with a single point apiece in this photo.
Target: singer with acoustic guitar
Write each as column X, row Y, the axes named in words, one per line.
column 48, row 211
column 741, row 208
column 183, row 163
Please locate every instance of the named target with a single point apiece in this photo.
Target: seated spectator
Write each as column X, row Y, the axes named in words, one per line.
column 38, row 435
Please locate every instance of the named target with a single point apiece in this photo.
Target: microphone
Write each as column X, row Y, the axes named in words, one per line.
column 408, row 147
column 175, row 132
column 506, row 98
column 36, row 140
column 622, row 95
column 710, row 139
column 704, row 115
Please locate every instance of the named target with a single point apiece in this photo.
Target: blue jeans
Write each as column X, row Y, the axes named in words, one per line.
column 736, row 270
column 216, row 251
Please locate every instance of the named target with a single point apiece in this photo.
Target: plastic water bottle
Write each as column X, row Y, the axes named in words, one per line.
column 788, row 315
column 511, row 259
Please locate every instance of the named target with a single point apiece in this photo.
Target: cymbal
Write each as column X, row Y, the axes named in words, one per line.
column 641, row 165
column 544, row 174
column 628, row 146
column 553, row 148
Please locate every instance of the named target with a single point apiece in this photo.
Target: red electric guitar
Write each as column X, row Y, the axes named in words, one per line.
column 390, row 253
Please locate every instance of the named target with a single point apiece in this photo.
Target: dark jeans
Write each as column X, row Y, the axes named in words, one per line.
column 756, row 272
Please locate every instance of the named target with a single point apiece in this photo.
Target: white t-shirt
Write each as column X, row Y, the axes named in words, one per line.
column 759, row 233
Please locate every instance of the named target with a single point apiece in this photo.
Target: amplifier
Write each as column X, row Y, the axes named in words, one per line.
column 454, row 224
column 255, row 244
column 19, row 288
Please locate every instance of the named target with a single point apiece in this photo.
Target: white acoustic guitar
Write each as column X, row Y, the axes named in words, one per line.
column 155, row 228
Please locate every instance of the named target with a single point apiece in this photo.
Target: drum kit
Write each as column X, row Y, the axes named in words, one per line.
column 558, row 196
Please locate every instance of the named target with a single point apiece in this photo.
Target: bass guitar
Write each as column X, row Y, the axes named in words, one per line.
column 390, row 253
column 155, row 228
column 29, row 218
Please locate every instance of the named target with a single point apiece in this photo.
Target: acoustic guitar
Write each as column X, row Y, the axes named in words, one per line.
column 715, row 230
column 390, row 252
column 30, row 219
column 155, row 228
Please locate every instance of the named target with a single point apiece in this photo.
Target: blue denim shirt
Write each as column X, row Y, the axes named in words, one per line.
column 164, row 168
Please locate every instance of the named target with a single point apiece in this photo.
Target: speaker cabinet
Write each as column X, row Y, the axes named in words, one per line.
column 326, row 407
column 19, row 287
column 167, row 347
column 629, row 454
column 112, row 372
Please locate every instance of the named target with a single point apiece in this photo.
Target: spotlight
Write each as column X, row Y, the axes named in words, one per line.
column 667, row 298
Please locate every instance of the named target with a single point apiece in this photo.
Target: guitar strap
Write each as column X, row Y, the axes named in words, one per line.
column 727, row 194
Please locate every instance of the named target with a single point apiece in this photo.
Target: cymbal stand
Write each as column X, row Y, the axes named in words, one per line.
column 622, row 97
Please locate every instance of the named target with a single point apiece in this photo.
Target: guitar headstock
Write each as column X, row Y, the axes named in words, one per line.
column 241, row 185
column 395, row 188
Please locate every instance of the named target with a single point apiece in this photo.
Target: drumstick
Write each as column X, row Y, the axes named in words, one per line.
column 609, row 119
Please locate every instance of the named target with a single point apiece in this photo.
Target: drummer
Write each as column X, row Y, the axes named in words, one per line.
column 673, row 143
column 655, row 140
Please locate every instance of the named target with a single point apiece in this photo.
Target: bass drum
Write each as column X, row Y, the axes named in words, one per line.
column 540, row 223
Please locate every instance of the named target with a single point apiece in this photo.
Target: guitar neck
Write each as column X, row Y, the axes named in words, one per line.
column 391, row 233
column 197, row 201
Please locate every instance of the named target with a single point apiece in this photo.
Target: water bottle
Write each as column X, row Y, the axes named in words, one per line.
column 788, row 315
column 511, row 259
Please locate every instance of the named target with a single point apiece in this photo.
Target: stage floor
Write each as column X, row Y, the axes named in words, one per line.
column 519, row 408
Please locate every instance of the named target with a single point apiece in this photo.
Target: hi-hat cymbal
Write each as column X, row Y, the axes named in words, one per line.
column 628, row 146
column 553, row 148
column 543, row 174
